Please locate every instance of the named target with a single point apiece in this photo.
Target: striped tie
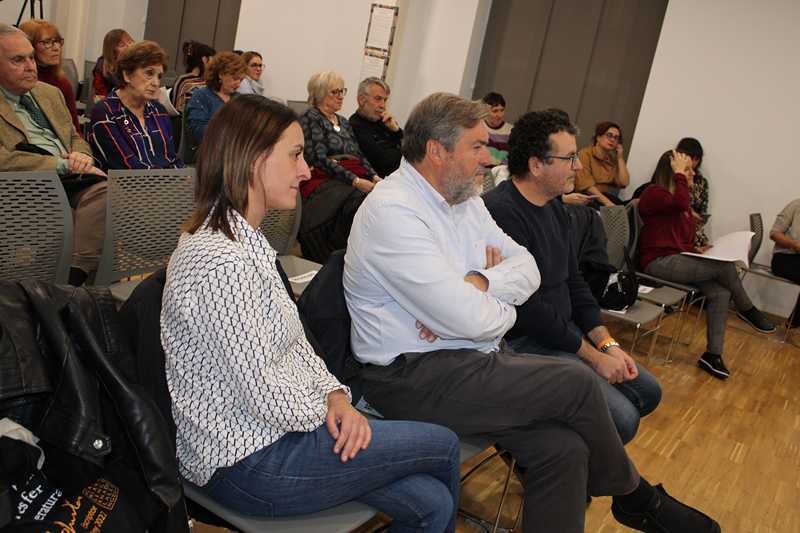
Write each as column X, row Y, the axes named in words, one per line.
column 33, row 110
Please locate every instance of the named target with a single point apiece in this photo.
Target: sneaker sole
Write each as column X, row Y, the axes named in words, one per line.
column 702, row 363
column 758, row 329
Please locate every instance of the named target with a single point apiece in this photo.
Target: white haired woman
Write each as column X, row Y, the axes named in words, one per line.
column 341, row 175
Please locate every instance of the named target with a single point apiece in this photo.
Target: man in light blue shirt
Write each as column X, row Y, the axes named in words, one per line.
column 431, row 284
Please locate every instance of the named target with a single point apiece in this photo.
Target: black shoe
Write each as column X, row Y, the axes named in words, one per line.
column 77, row 277
column 666, row 515
column 714, row 365
column 756, row 320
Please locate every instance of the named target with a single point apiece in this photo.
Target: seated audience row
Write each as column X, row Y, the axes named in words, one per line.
column 433, row 284
column 262, row 426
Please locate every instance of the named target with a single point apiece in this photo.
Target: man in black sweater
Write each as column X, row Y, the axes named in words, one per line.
column 377, row 132
column 562, row 318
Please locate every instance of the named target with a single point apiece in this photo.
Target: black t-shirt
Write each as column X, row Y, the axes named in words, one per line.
column 563, row 308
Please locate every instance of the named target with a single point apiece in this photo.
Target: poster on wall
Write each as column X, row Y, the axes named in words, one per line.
column 379, row 40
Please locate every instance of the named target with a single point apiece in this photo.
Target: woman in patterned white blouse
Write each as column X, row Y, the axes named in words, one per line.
column 263, row 427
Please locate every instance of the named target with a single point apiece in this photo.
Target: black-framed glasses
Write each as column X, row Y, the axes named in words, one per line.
column 613, row 136
column 257, row 65
column 573, row 159
column 49, row 43
column 339, row 92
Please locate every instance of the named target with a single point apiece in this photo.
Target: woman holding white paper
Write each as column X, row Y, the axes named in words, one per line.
column 669, row 230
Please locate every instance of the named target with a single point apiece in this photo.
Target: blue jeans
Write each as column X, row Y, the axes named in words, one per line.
column 410, row 471
column 627, row 401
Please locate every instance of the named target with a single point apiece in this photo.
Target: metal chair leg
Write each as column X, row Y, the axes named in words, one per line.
column 635, row 338
column 505, row 493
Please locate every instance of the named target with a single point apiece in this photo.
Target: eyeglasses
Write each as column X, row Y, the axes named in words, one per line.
column 49, row 43
column 257, row 65
column 612, row 136
column 339, row 92
column 573, row 159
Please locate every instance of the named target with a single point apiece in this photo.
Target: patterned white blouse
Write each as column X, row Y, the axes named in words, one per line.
column 240, row 370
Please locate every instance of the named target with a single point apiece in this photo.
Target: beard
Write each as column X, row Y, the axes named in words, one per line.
column 458, row 189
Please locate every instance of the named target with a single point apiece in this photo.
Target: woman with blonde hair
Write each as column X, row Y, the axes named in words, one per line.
column 48, row 46
column 262, row 426
column 342, row 176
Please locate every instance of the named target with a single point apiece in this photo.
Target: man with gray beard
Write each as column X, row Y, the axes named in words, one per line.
column 431, row 284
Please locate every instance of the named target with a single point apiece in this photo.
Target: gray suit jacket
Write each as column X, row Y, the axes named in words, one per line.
column 12, row 131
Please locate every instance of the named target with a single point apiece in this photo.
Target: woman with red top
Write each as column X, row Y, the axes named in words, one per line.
column 104, row 77
column 48, row 46
column 669, row 230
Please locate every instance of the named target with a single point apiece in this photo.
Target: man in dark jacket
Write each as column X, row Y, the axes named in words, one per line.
column 562, row 318
column 377, row 132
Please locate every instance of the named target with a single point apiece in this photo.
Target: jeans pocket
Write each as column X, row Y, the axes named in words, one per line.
column 231, row 495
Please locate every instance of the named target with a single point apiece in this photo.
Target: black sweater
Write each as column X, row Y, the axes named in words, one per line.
column 379, row 144
column 563, row 300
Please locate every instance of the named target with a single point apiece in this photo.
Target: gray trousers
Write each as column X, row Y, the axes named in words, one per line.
column 88, row 225
column 550, row 414
column 719, row 282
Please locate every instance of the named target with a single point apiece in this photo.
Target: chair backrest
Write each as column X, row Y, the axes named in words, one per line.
column 71, row 73
column 143, row 218
column 280, row 226
column 187, row 149
column 298, row 106
column 757, row 227
column 635, row 224
column 36, row 227
column 617, row 227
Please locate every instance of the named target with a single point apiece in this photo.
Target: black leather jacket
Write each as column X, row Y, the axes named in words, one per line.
column 67, row 373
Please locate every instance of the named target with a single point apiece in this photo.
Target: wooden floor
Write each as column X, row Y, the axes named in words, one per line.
column 729, row 448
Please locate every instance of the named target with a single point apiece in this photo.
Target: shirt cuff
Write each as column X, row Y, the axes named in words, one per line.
column 498, row 286
column 62, row 167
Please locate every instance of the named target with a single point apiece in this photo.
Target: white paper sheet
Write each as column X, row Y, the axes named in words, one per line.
column 380, row 27
column 733, row 247
column 304, row 278
column 372, row 66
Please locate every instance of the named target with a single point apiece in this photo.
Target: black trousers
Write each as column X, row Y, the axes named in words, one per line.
column 788, row 266
column 549, row 413
column 327, row 217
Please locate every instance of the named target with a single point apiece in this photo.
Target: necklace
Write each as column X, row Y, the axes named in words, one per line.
column 333, row 120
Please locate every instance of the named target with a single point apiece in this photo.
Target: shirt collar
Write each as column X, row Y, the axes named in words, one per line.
column 11, row 97
column 431, row 195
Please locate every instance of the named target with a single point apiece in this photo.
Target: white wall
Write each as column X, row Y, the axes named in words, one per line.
column 105, row 15
column 435, row 45
column 9, row 11
column 726, row 72
column 438, row 49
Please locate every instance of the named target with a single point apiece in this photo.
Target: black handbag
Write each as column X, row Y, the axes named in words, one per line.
column 622, row 293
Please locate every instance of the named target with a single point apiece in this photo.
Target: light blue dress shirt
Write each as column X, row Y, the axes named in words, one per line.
column 407, row 256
